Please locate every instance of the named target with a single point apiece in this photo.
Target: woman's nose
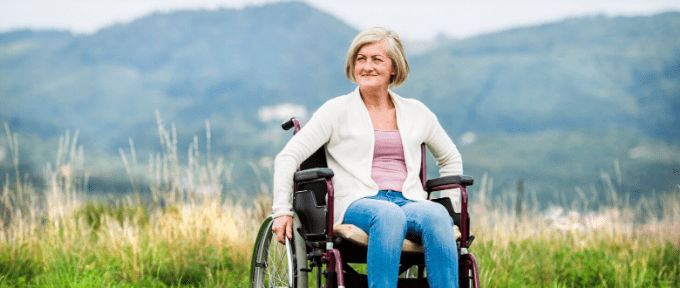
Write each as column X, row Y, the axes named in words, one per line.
column 368, row 66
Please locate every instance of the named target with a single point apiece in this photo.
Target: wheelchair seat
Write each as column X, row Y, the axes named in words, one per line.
column 359, row 237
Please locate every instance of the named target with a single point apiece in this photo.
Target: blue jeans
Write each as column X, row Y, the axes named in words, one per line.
column 388, row 218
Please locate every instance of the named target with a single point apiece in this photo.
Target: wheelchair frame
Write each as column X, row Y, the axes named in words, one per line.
column 317, row 249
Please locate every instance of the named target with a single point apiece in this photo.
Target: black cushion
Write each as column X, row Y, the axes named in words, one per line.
column 453, row 179
column 313, row 174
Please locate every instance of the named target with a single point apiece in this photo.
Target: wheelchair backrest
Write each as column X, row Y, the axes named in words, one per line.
column 317, row 160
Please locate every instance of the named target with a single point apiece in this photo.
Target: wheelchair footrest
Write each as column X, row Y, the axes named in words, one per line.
column 412, row 283
column 361, row 280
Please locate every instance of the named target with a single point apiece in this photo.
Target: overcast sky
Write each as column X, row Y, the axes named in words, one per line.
column 428, row 18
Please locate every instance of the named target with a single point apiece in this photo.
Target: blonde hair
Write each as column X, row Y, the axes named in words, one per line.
column 394, row 50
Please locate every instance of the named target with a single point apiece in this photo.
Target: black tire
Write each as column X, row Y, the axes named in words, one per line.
column 277, row 265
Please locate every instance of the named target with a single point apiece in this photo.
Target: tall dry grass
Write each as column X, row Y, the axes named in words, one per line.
column 617, row 245
column 188, row 233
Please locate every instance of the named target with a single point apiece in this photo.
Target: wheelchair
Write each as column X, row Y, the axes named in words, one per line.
column 319, row 247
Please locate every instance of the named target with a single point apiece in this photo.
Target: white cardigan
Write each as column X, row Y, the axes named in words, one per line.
column 344, row 125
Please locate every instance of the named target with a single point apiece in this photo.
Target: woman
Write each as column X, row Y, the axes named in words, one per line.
column 373, row 139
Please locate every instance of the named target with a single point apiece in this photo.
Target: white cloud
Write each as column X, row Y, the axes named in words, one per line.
column 468, row 138
column 282, row 112
column 460, row 19
column 87, row 16
column 411, row 19
column 638, row 152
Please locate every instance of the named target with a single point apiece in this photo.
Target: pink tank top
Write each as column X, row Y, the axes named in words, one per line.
column 389, row 166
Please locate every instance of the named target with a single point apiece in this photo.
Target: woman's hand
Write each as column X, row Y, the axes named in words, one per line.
column 283, row 225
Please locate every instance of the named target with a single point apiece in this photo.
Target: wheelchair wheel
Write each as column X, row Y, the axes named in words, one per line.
column 277, row 265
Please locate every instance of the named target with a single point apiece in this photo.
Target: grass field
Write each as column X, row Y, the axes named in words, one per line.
column 186, row 234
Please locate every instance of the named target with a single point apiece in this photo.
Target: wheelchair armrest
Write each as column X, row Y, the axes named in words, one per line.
column 462, row 180
column 313, row 174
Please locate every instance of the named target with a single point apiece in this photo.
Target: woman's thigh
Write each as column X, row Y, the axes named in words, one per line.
column 365, row 212
column 425, row 216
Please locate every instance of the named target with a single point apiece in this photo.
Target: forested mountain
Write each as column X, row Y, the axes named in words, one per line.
column 191, row 65
column 577, row 73
column 611, row 83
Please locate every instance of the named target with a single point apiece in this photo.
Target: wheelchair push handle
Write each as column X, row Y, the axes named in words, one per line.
column 292, row 122
column 286, row 125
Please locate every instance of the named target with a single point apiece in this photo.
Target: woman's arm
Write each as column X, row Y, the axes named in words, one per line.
column 442, row 148
column 447, row 156
column 314, row 135
column 299, row 148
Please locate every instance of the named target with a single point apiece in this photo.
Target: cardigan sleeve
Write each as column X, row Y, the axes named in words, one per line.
column 442, row 148
column 315, row 134
column 447, row 156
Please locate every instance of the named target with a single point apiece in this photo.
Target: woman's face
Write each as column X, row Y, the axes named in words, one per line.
column 372, row 66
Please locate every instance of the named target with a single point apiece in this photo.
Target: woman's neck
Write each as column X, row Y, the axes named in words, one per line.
column 376, row 99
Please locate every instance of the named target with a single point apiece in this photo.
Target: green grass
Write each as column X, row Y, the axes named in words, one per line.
column 529, row 263
column 208, row 268
column 192, row 245
column 540, row 263
column 199, row 240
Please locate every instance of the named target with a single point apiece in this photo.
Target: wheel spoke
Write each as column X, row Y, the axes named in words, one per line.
column 275, row 265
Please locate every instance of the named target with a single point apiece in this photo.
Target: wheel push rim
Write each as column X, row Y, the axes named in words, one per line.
column 275, row 264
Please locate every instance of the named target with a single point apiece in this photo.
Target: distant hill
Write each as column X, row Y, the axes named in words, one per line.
column 576, row 73
column 191, row 65
column 575, row 77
